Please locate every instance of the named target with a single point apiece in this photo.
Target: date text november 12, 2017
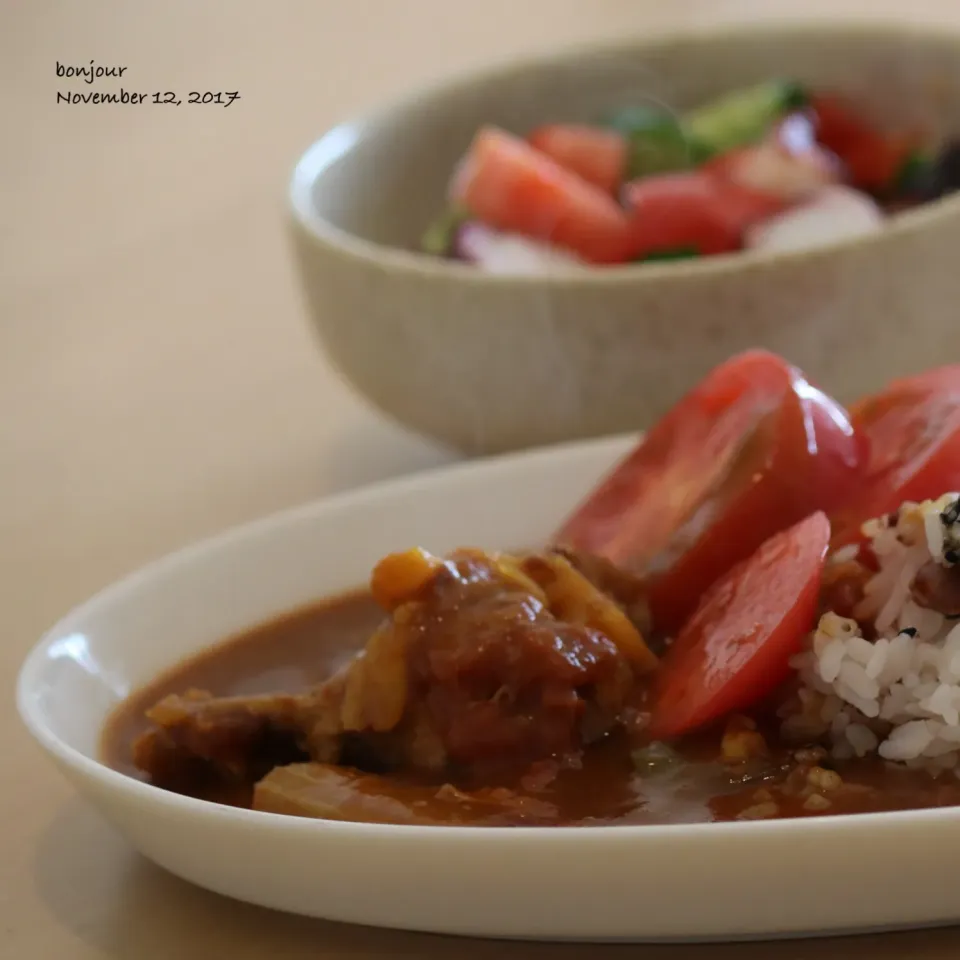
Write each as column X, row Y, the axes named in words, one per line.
column 90, row 73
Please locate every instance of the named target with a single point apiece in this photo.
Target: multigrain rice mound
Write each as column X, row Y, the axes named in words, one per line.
column 898, row 693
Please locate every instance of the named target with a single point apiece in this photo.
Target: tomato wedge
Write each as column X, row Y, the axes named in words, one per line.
column 736, row 648
column 693, row 210
column 838, row 126
column 597, row 155
column 912, row 429
column 507, row 184
column 748, row 452
column 875, row 160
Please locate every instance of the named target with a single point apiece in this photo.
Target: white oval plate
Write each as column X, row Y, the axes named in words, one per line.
column 680, row 882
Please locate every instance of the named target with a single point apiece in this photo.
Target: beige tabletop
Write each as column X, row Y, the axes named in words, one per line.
column 157, row 381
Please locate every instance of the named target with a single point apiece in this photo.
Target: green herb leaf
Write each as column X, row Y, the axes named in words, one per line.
column 657, row 141
column 437, row 239
column 675, row 253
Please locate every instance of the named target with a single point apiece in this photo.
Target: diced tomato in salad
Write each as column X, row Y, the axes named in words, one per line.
column 598, row 156
column 876, row 166
column 508, row 184
column 651, row 184
column 692, row 210
column 875, row 160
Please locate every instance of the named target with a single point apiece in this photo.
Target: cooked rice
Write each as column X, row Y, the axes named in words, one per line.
column 898, row 695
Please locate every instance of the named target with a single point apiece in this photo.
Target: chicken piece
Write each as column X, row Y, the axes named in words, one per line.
column 200, row 738
column 326, row 792
column 479, row 665
column 485, row 665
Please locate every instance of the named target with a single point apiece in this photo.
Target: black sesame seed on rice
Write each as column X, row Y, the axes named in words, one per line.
column 951, row 515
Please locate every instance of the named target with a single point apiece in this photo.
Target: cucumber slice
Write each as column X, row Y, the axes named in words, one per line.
column 744, row 116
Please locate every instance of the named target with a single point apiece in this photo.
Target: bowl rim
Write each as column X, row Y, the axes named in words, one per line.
column 92, row 770
column 338, row 140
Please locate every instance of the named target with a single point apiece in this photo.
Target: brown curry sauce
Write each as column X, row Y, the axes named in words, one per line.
column 613, row 785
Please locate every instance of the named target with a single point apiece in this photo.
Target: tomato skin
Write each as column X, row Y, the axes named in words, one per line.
column 876, row 167
column 692, row 209
column 735, row 650
column 875, row 160
column 945, row 379
column 597, row 155
column 748, row 452
column 812, row 461
column 912, row 430
column 509, row 185
column 838, row 126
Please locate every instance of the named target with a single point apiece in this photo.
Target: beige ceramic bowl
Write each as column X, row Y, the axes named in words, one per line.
column 491, row 363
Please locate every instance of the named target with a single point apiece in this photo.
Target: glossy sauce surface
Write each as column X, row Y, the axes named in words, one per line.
column 614, row 785
column 292, row 654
